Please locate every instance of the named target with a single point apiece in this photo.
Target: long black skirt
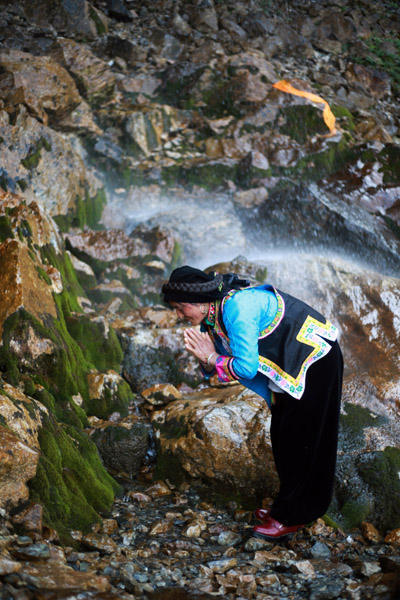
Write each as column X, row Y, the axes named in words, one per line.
column 304, row 435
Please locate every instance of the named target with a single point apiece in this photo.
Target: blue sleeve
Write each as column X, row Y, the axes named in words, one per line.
column 242, row 316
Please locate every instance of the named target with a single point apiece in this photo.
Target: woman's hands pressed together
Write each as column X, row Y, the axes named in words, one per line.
column 201, row 346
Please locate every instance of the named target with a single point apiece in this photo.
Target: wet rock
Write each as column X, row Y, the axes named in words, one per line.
column 321, row 590
column 21, row 414
column 370, row 533
column 109, row 526
column 161, row 394
column 28, row 221
column 181, row 26
column 101, row 542
column 229, row 538
column 306, row 568
column 91, row 73
column 253, row 197
column 45, row 164
column 253, row 544
column 393, row 537
column 206, row 17
column 108, row 392
column 159, row 489
column 30, row 519
column 369, row 568
column 8, row 566
column 72, row 18
column 368, row 80
column 160, row 527
column 61, row 580
column 219, row 435
column 32, row 552
column 222, row 565
column 45, row 87
column 123, row 446
column 118, row 10
column 17, row 466
column 320, row 550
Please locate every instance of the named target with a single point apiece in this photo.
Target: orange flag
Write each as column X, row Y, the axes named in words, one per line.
column 329, row 117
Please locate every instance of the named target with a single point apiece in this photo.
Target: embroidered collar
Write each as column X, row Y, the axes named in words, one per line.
column 212, row 311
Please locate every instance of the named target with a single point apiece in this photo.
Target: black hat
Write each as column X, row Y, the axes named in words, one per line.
column 187, row 284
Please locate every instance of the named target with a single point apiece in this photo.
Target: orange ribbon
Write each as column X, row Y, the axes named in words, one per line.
column 329, row 117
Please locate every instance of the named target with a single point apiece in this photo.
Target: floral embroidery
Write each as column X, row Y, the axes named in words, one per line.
column 310, row 334
column 210, row 318
column 278, row 317
column 223, row 366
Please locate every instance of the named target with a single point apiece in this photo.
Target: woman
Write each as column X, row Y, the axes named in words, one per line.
column 286, row 352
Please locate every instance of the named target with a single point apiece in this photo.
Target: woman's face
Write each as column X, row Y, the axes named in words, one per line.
column 194, row 313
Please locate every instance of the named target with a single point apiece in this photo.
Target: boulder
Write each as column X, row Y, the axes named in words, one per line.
column 123, row 445
column 108, row 393
column 20, row 423
column 91, row 73
column 47, row 165
column 107, row 245
column 71, row 17
column 18, row 465
column 23, row 287
column 218, row 436
column 42, row 85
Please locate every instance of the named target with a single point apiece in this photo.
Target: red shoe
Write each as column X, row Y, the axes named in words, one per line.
column 262, row 514
column 273, row 530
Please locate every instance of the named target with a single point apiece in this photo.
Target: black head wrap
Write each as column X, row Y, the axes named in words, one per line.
column 187, row 284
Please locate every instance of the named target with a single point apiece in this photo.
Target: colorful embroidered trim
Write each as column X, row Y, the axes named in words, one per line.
column 309, row 334
column 278, row 317
column 210, row 318
column 224, row 368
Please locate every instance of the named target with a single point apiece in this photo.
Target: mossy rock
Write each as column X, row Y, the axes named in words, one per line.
column 111, row 401
column 71, row 481
column 302, row 122
column 101, row 350
column 87, row 212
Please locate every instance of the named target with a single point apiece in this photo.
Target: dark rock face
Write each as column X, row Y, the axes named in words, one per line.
column 71, row 17
column 123, row 448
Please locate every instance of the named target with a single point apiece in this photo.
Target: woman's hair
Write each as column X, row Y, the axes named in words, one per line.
column 187, row 284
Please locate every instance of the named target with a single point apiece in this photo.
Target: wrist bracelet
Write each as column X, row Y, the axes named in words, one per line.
column 208, row 359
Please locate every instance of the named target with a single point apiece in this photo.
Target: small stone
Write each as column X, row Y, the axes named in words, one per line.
column 160, row 527
column 229, row 538
column 30, row 518
column 109, row 526
column 100, row 542
column 139, row 497
column 194, row 529
column 369, row 568
column 393, row 537
column 320, row 550
column 223, row 565
column 40, row 551
column 305, row 568
column 158, row 489
column 161, row 393
column 253, row 544
column 8, row 566
column 370, row 532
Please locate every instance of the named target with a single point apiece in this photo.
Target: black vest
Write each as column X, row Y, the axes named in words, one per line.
column 294, row 340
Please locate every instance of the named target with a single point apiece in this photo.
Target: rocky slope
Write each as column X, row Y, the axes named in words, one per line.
column 135, row 135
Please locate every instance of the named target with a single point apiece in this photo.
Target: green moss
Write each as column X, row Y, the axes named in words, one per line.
column 379, row 57
column 354, row 512
column 71, row 481
column 390, row 160
column 212, row 176
column 104, row 352
column 302, row 122
column 43, row 275
column 32, row 159
column 6, row 230
column 380, row 471
column 100, row 27
column 344, row 116
column 87, row 212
